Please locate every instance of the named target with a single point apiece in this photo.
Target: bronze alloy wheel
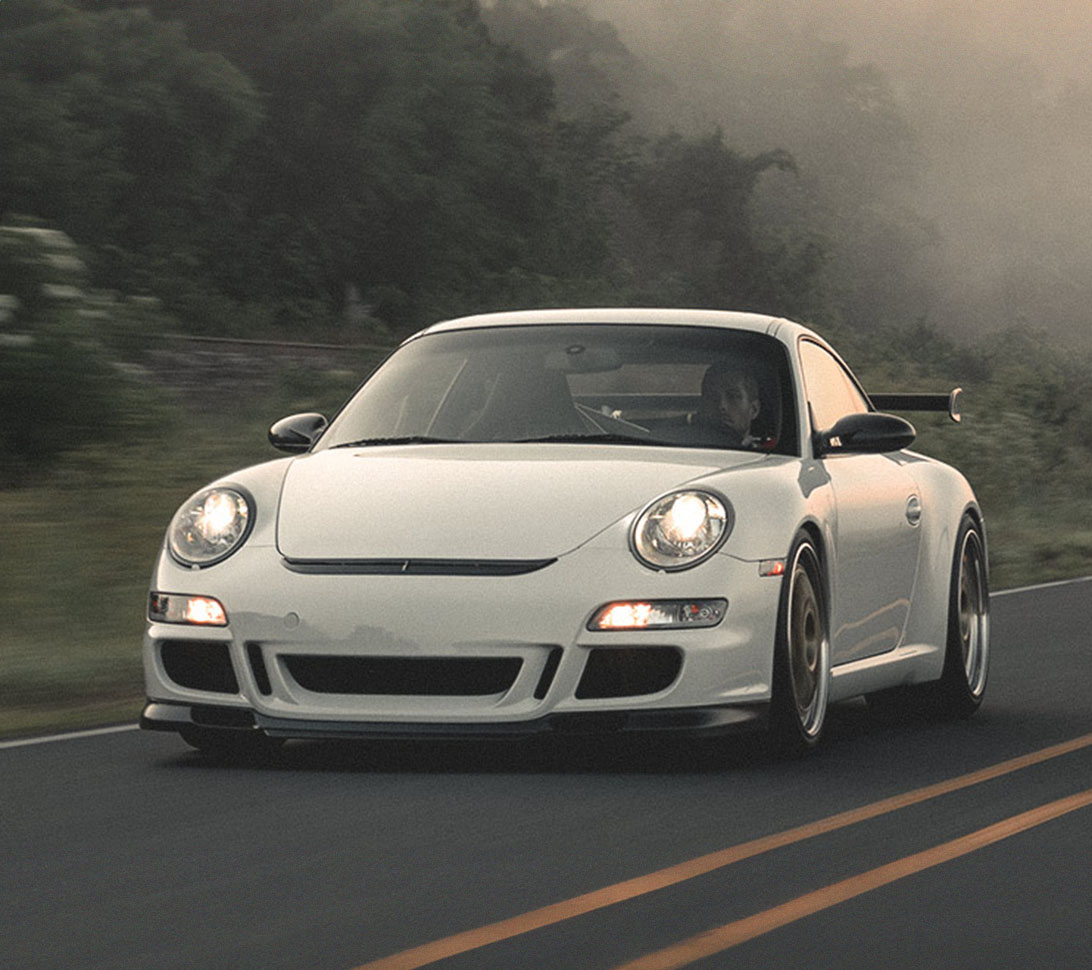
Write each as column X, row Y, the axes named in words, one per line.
column 801, row 673
column 805, row 642
column 973, row 610
column 962, row 683
column 809, row 655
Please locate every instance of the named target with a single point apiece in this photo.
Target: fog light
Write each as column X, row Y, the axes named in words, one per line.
column 658, row 614
column 177, row 608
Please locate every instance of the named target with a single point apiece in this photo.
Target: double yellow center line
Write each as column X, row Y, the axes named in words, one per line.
column 741, row 930
column 737, row 932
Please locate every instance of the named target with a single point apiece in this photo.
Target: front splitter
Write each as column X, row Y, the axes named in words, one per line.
column 159, row 716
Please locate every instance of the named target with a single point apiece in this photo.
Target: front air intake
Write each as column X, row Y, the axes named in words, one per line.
column 628, row 671
column 199, row 666
column 404, row 676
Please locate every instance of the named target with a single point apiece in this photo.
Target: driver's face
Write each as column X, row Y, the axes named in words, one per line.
column 731, row 405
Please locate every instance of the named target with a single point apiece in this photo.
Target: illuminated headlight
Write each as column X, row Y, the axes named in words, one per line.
column 658, row 614
column 681, row 530
column 210, row 526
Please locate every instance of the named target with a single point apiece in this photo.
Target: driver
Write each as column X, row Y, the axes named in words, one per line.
column 729, row 403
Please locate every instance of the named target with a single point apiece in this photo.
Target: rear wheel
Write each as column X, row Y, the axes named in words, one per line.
column 962, row 685
column 801, row 671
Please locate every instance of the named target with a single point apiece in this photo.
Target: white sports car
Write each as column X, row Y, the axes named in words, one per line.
column 575, row 520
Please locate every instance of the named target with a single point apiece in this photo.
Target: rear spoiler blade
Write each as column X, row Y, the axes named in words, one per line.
column 921, row 402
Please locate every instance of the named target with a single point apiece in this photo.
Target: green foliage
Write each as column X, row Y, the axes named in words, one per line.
column 398, row 157
column 692, row 241
column 255, row 164
column 591, row 68
column 120, row 130
column 54, row 394
column 60, row 386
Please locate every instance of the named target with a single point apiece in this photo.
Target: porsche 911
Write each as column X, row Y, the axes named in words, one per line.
column 608, row 520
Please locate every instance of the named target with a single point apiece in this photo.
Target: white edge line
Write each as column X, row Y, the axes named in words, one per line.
column 1026, row 589
column 117, row 729
column 70, row 736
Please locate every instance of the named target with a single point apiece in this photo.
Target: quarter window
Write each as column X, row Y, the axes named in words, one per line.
column 832, row 392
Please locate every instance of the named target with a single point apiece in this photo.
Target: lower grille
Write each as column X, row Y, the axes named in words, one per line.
column 628, row 671
column 199, row 666
column 405, row 676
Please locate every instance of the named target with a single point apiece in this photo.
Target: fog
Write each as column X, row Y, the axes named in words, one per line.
column 966, row 152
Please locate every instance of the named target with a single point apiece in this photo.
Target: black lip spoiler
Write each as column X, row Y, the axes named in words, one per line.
column 921, row 402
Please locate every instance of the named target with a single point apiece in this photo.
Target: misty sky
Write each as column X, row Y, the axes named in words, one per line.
column 997, row 93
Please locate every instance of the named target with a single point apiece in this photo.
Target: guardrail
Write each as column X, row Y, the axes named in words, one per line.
column 247, row 342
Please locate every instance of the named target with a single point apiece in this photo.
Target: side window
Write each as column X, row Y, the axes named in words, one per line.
column 831, row 392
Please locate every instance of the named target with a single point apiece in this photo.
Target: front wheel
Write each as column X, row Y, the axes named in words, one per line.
column 801, row 669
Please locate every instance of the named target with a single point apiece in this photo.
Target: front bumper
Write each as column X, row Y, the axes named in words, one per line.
column 300, row 651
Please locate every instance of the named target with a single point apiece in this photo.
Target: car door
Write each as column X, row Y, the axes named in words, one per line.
column 875, row 529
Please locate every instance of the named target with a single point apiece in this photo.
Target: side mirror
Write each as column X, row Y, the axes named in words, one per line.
column 297, row 432
column 869, row 433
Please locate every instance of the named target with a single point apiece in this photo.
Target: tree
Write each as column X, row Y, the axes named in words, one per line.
column 400, row 156
column 119, row 130
column 691, row 238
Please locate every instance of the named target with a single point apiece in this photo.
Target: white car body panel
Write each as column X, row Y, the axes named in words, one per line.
column 491, row 501
column 873, row 576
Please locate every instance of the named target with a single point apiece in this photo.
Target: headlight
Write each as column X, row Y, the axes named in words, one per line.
column 210, row 526
column 681, row 530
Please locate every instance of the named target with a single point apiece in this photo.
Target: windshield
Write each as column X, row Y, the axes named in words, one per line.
column 628, row 384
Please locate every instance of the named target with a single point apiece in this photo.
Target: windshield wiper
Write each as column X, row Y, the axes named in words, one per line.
column 411, row 439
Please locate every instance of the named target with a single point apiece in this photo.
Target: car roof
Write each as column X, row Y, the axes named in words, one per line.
column 786, row 330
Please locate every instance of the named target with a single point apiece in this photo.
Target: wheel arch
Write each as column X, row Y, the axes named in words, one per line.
column 975, row 512
column 796, row 727
column 813, row 530
column 947, row 498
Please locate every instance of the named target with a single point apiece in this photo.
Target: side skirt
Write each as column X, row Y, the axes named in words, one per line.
column 909, row 664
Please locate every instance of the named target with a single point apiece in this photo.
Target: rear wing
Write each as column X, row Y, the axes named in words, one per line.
column 920, row 402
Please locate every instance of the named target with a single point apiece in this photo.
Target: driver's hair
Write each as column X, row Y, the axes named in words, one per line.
column 728, row 371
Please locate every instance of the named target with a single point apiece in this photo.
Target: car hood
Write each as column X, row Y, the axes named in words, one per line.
column 477, row 501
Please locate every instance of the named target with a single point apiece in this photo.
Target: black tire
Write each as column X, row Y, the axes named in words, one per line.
column 221, row 744
column 801, row 669
column 962, row 684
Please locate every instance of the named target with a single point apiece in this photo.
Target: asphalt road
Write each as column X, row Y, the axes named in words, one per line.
column 123, row 850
